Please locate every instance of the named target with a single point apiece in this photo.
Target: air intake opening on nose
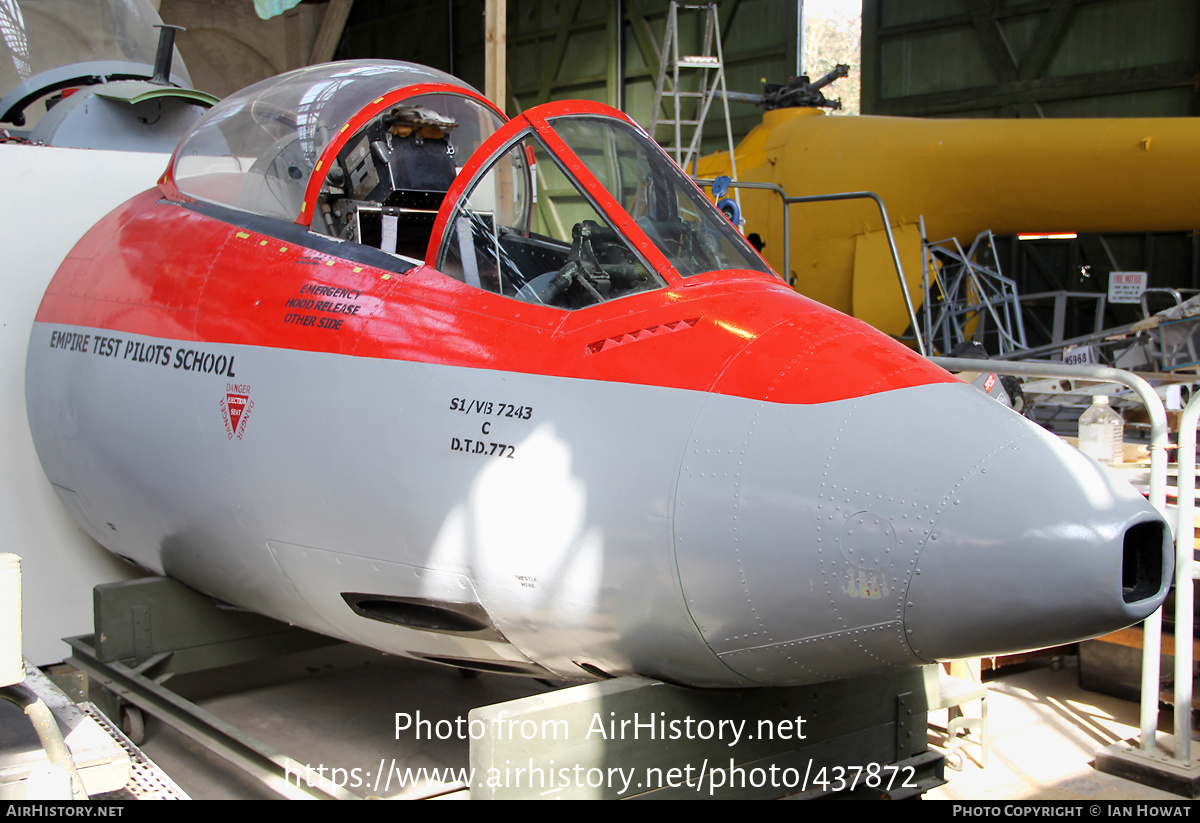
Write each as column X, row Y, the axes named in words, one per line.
column 1142, row 563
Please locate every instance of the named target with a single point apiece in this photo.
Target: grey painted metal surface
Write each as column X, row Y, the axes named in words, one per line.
column 892, row 567
column 566, row 570
column 78, row 73
column 700, row 538
column 127, row 115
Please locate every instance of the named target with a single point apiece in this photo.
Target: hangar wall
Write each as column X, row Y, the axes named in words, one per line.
column 606, row 50
column 559, row 49
column 1031, row 58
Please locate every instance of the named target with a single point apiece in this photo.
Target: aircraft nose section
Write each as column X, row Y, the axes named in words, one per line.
column 1038, row 546
column 832, row 540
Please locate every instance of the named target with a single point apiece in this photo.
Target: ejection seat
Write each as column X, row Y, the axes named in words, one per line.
column 389, row 181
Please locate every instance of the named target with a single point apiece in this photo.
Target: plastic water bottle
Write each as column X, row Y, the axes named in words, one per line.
column 1102, row 432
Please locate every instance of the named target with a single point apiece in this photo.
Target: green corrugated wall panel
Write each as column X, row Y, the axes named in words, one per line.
column 1020, row 31
column 1029, row 58
column 1125, row 34
column 1159, row 103
column 932, row 61
column 895, row 13
column 377, row 28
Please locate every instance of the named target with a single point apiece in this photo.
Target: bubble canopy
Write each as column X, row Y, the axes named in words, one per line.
column 260, row 150
column 569, row 204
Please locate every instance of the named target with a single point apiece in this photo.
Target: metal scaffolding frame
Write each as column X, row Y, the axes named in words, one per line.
column 965, row 299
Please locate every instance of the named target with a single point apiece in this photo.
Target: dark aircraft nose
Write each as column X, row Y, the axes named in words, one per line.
column 829, row 540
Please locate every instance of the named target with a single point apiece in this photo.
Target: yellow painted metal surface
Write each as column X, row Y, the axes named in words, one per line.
column 963, row 177
column 875, row 290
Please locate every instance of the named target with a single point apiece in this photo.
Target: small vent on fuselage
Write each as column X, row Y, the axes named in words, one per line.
column 423, row 614
column 640, row 334
column 595, row 671
column 497, row 666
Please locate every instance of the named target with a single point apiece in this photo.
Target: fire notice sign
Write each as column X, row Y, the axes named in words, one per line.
column 1126, row 286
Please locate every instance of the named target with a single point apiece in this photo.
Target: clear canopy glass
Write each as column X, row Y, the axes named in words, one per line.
column 531, row 225
column 655, row 192
column 257, row 149
column 555, row 250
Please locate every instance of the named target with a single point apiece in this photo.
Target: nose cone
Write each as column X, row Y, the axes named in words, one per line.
column 1037, row 546
column 831, row 540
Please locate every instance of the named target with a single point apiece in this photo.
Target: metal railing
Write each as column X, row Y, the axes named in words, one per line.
column 1185, row 570
column 788, row 202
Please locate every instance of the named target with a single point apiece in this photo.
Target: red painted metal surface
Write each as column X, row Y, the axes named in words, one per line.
column 160, row 269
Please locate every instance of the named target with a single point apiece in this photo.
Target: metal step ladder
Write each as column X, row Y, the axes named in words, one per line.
column 708, row 69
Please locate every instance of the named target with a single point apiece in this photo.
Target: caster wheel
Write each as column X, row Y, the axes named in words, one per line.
column 133, row 723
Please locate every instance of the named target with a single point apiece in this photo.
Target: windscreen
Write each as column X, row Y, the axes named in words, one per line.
column 526, row 230
column 689, row 230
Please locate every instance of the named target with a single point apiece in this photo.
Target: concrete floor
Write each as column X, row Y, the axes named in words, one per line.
column 337, row 707
column 1044, row 733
